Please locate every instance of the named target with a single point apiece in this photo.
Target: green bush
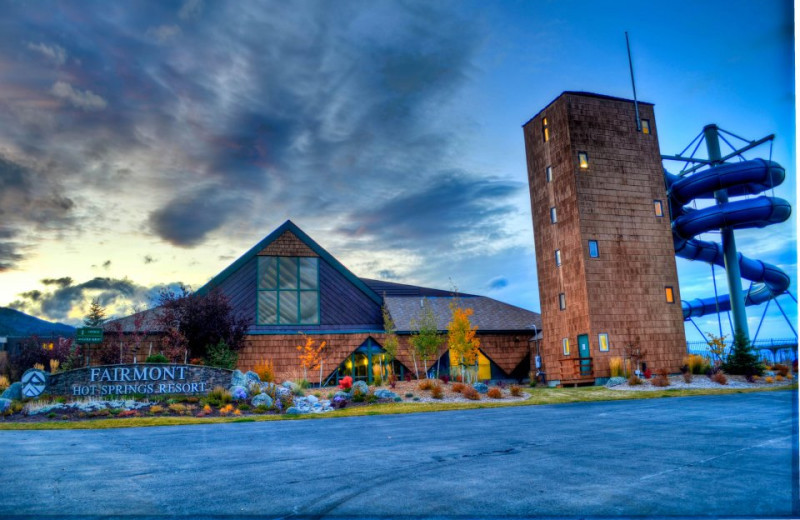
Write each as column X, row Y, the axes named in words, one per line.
column 742, row 360
column 221, row 356
column 156, row 358
column 218, row 396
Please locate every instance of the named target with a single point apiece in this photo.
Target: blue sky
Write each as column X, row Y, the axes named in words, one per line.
column 153, row 143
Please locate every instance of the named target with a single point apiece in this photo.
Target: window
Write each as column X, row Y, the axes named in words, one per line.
column 645, row 126
column 659, row 208
column 553, row 218
column 669, row 294
column 545, row 130
column 594, row 252
column 565, row 346
column 603, row 341
column 288, row 291
column 549, row 173
column 562, row 301
column 583, row 160
column 558, row 258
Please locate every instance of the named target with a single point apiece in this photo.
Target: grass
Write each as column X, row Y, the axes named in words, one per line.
column 539, row 396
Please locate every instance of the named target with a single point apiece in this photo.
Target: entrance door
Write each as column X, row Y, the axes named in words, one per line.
column 583, row 352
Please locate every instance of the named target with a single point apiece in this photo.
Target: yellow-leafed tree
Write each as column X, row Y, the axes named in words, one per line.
column 311, row 356
column 461, row 338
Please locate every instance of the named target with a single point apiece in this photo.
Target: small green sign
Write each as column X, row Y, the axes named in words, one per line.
column 88, row 335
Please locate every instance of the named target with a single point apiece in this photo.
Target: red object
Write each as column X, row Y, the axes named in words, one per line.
column 346, row 383
column 445, row 378
column 648, row 373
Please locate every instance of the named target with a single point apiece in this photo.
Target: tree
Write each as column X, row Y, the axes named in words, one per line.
column 96, row 316
column 461, row 337
column 742, row 359
column 716, row 345
column 427, row 340
column 390, row 341
column 311, row 356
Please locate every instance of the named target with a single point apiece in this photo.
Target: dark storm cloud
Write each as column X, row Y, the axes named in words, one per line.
column 62, row 282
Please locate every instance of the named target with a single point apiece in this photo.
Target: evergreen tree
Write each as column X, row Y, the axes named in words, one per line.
column 742, row 359
column 96, row 316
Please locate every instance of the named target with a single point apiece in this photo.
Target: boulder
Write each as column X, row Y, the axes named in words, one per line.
column 302, row 404
column 13, row 392
column 385, row 394
column 252, row 377
column 238, row 379
column 262, row 400
column 312, row 399
column 342, row 395
column 362, row 387
column 615, row 381
column 5, row 404
column 293, row 411
column 238, row 392
column 282, row 391
column 480, row 387
column 339, row 402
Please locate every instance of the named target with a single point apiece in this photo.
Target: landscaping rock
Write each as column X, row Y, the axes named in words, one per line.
column 302, row 404
column 385, row 394
column 282, row 391
column 262, row 400
column 252, row 377
column 482, row 388
column 13, row 392
column 5, row 404
column 312, row 399
column 342, row 395
column 339, row 401
column 292, row 386
column 238, row 379
column 767, row 373
column 614, row 381
column 362, row 387
column 293, row 411
column 238, row 392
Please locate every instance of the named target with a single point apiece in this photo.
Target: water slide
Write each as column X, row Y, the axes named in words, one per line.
column 743, row 178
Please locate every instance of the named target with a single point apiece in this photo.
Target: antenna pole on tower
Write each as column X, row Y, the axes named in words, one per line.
column 633, row 82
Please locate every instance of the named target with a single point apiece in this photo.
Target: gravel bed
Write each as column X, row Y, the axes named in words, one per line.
column 700, row 381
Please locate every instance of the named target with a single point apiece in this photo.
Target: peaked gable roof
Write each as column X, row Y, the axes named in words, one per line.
column 291, row 227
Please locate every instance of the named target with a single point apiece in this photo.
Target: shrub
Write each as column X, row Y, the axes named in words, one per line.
column 225, row 410
column 789, row 377
column 346, row 383
column 54, row 365
column 437, row 392
column 221, row 356
column 719, row 377
column 779, row 378
column 156, row 358
column 178, row 408
column 4, row 383
column 156, row 409
column 696, row 363
column 751, row 378
column 615, row 364
column 495, row 393
column 634, row 381
column 459, row 387
column 219, row 396
column 660, row 381
column 409, row 395
column 471, row 394
column 781, row 369
column 648, row 373
column 304, row 384
column 742, row 359
column 687, row 376
column 39, row 366
column 358, row 395
column 516, row 390
column 445, row 378
column 377, row 380
column 769, row 380
column 392, row 379
column 265, row 370
column 425, row 384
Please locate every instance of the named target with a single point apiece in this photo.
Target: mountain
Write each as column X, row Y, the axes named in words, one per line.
column 16, row 323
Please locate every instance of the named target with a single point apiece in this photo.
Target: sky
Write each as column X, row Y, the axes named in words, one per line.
column 145, row 144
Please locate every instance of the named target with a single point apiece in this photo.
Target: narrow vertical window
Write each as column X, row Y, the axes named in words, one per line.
column 594, row 252
column 549, row 173
column 565, row 346
column 603, row 341
column 558, row 258
column 562, row 301
column 659, row 208
column 553, row 218
column 645, row 126
column 669, row 294
column 545, row 130
column 583, row 160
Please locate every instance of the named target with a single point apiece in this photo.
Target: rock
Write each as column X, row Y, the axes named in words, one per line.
column 238, row 392
column 362, row 387
column 342, row 395
column 398, row 399
column 238, row 379
column 266, row 386
column 13, row 392
column 302, row 404
column 5, row 404
column 767, row 373
column 615, row 381
column 312, row 399
column 282, row 391
column 262, row 400
column 385, row 394
column 293, row 411
column 480, row 387
column 252, row 377
column 339, row 401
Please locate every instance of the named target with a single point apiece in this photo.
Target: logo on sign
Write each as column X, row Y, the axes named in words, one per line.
column 33, row 383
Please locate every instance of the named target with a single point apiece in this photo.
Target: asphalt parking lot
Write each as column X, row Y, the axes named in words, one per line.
column 731, row 455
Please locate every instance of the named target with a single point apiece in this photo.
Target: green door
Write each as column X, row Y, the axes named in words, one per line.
column 583, row 352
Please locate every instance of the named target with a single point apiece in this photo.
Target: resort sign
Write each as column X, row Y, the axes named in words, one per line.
column 147, row 379
column 88, row 335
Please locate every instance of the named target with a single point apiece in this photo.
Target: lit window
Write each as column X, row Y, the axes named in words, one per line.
column 583, row 160
column 558, row 258
column 562, row 301
column 594, row 252
column 659, row 208
column 603, row 341
column 669, row 294
column 545, row 130
column 565, row 346
column 645, row 126
column 549, row 172
column 288, row 290
column 553, row 218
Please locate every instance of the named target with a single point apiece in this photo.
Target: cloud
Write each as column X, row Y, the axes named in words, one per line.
column 85, row 100
column 148, row 259
column 190, row 9
column 62, row 282
column 498, row 283
column 54, row 53
column 163, row 33
column 106, row 264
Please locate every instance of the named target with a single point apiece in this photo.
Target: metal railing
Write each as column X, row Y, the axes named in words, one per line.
column 779, row 349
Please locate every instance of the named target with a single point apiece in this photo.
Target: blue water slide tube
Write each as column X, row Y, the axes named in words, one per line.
column 743, row 178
